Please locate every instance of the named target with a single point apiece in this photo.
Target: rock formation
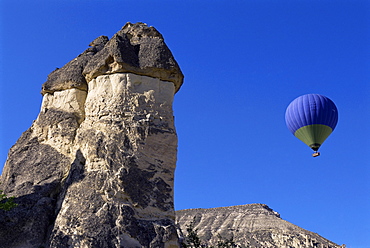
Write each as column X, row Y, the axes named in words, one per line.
column 96, row 168
column 252, row 225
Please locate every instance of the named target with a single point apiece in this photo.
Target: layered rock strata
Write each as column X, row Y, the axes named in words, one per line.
column 252, row 225
column 96, row 168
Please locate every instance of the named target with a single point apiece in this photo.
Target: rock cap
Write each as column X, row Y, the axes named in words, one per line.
column 70, row 75
column 136, row 48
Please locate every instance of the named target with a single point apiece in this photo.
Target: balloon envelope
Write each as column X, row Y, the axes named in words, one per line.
column 312, row 118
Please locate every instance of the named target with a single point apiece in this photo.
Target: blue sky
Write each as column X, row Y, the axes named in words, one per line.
column 244, row 62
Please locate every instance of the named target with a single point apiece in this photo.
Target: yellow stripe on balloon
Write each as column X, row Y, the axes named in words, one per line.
column 313, row 135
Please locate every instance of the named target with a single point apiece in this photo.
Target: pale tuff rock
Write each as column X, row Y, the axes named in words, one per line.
column 96, row 168
column 115, row 188
column 253, row 225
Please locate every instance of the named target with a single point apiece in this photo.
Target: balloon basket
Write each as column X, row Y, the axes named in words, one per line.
column 316, row 154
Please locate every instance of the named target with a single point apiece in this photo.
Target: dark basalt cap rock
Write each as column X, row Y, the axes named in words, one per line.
column 70, row 75
column 139, row 49
column 136, row 48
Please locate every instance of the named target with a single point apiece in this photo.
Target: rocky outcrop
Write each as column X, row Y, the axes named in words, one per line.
column 252, row 225
column 96, row 168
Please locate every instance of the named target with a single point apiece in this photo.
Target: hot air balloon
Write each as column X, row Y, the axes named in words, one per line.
column 312, row 118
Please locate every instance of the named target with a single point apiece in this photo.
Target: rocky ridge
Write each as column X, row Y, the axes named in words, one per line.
column 252, row 225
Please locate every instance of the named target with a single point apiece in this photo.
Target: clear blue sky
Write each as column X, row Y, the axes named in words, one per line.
column 244, row 62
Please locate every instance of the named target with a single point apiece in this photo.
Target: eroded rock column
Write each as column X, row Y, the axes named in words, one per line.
column 121, row 190
column 96, row 169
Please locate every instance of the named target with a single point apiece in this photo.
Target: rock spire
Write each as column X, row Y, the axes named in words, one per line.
column 96, row 168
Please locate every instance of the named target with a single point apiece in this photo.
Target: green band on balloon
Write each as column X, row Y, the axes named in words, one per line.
column 313, row 134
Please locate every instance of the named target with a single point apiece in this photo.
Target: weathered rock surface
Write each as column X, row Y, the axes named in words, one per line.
column 252, row 225
column 96, row 168
column 70, row 75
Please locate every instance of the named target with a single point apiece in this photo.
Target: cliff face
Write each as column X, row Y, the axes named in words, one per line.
column 96, row 168
column 252, row 225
